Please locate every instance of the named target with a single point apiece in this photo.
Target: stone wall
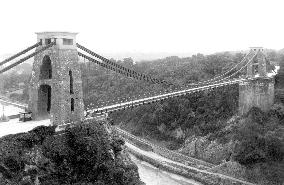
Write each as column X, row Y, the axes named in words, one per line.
column 62, row 61
column 256, row 93
column 281, row 75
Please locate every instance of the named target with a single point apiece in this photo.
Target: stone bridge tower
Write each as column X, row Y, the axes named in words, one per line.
column 56, row 85
column 258, row 89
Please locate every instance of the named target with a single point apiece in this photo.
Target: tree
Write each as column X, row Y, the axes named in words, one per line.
column 128, row 62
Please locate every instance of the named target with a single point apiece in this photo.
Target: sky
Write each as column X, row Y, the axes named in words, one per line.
column 146, row 26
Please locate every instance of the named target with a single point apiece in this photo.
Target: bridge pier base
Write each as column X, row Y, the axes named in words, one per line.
column 258, row 92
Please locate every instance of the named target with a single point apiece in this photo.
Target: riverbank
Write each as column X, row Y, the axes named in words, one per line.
column 201, row 176
column 151, row 175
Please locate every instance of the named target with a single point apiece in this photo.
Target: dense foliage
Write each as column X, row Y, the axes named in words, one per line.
column 198, row 111
column 84, row 154
column 259, row 140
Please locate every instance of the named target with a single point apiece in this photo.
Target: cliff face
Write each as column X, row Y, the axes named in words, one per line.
column 249, row 147
column 210, row 151
column 84, row 154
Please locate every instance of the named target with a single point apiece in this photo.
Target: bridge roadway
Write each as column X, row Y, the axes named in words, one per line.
column 156, row 98
column 119, row 106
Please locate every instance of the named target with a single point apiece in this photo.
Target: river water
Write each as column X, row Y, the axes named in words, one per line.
column 154, row 176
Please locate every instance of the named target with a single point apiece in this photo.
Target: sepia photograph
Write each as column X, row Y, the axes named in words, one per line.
column 152, row 92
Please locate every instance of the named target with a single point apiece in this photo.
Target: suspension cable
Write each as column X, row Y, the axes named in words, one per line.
column 136, row 75
column 247, row 57
column 213, row 82
column 125, row 72
column 223, row 79
column 104, row 65
column 26, row 58
column 153, row 99
column 120, row 69
column 110, row 67
column 129, row 72
column 227, row 72
column 248, row 62
column 215, row 78
column 20, row 53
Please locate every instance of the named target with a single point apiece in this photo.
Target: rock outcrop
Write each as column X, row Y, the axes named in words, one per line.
column 84, row 154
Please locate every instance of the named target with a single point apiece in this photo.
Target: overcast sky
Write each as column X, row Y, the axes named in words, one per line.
column 171, row 26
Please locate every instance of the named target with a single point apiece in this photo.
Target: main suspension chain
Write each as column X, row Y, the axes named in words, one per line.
column 123, row 70
column 20, row 53
column 26, row 58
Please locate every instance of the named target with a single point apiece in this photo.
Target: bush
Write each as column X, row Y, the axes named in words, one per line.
column 255, row 144
column 277, row 110
column 255, row 114
column 85, row 153
column 250, row 151
column 117, row 144
column 254, row 148
column 274, row 147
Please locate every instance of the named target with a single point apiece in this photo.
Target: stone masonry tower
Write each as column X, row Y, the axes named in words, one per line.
column 56, row 86
column 258, row 89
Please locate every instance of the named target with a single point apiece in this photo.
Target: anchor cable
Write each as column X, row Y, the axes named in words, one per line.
column 26, row 58
column 20, row 53
column 129, row 72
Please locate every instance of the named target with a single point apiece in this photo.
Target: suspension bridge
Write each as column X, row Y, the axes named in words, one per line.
column 56, row 86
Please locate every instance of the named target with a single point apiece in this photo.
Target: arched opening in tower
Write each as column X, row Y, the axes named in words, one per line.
column 44, row 100
column 46, row 68
column 72, row 104
column 255, row 64
column 71, row 82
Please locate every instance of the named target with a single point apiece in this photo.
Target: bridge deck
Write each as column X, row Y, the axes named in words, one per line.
column 141, row 101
